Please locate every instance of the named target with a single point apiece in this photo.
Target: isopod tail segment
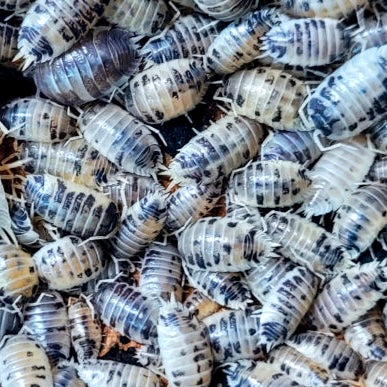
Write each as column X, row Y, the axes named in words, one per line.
column 88, row 299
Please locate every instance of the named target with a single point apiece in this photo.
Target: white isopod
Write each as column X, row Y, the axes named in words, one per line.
column 376, row 374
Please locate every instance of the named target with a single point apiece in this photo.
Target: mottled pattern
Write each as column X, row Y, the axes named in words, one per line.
column 92, row 68
column 65, row 263
column 166, row 91
column 10, row 321
column 121, row 138
column 378, row 171
column 65, row 375
column 8, row 42
column 379, row 135
column 376, row 374
column 200, row 305
column 214, row 153
column 15, row 5
column 73, row 207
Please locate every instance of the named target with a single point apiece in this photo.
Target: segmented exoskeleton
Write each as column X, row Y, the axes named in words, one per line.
column 23, row 362
column 223, row 245
column 8, row 42
column 99, row 64
column 238, row 44
column 304, row 242
column 330, row 353
column 166, row 91
column 46, row 320
column 376, row 374
column 234, row 335
column 185, row 347
column 335, row 176
column 361, row 218
column 333, row 309
column 66, row 375
column 378, row 134
column 272, row 97
column 50, row 28
column 72, row 207
column 214, row 153
column 7, row 234
column 378, row 171
column 37, row 119
column 368, row 336
column 144, row 17
column 121, row 138
column 269, row 184
column 16, row 6
column 350, row 99
column 200, row 305
column 285, row 306
column 127, row 311
column 190, row 36
column 75, row 161
column 140, row 226
column 11, row 320
column 67, row 262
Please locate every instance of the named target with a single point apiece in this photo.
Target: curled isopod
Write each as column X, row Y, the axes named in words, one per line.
column 72, row 207
column 121, row 138
column 306, row 42
column 226, row 289
column 67, row 262
column 50, row 28
column 350, row 99
column 269, row 184
column 272, row 97
column 361, row 218
column 23, row 362
column 18, row 274
column 378, row 135
column 46, row 320
column 330, row 353
column 298, row 367
column 15, row 5
column 189, row 203
column 108, row 373
column 214, row 153
column 368, row 336
column 66, row 375
column 238, row 44
column 226, row 10
column 75, row 161
column 296, row 146
column 200, row 305
column 141, row 225
column 234, row 335
column 36, row 119
column 161, row 272
column 376, row 374
column 223, row 245
column 166, row 91
column 304, row 242
column 85, row 330
column 333, row 309
column 190, row 36
column 10, row 321
column 321, row 8
column 91, row 69
column 335, row 176
column 8, row 42
column 142, row 17
column 263, row 278
column 285, row 306
column 185, row 347
column 127, row 311
column 378, row 171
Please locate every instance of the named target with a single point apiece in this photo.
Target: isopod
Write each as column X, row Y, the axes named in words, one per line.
column 335, row 175
column 368, row 336
column 272, row 97
column 234, row 335
column 378, row 135
column 85, row 331
column 140, row 226
column 73, row 207
column 46, row 320
column 10, row 321
column 23, row 362
column 121, row 138
column 350, row 99
column 125, row 309
column 376, row 374
column 360, row 219
column 166, row 91
column 37, row 119
column 200, row 305
column 269, row 184
column 6, row 231
column 66, row 375
column 378, row 171
column 18, row 274
column 223, row 245
column 50, row 28
column 8, row 42
column 185, row 347
column 67, row 262
column 214, row 153
column 304, row 242
column 92, row 68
